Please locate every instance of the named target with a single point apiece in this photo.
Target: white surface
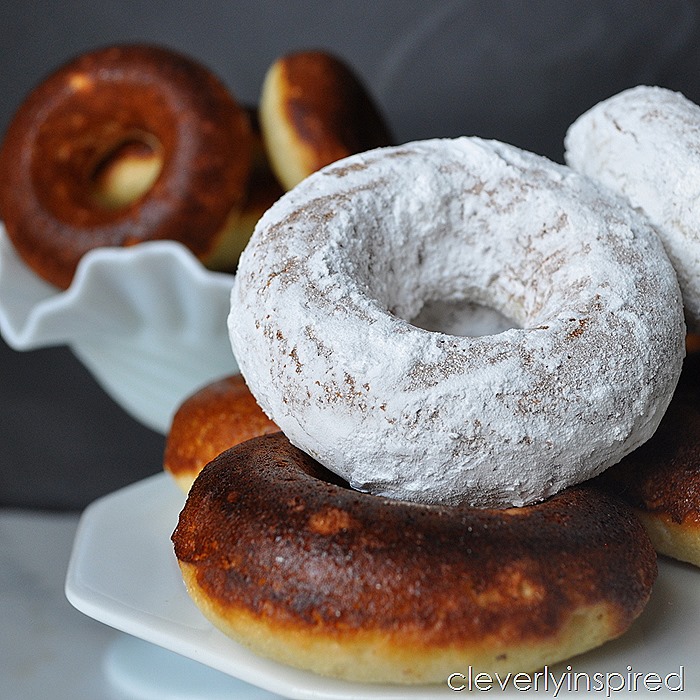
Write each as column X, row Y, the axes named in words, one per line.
column 48, row 650
column 144, row 670
column 123, row 573
column 148, row 321
column 41, row 635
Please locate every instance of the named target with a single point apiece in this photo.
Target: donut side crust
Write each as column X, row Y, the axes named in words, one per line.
column 676, row 540
column 661, row 480
column 214, row 418
column 314, row 110
column 374, row 656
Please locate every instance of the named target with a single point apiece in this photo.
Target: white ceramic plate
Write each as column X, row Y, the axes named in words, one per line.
column 148, row 321
column 123, row 573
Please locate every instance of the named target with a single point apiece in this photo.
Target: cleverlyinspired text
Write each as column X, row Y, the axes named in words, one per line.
column 607, row 683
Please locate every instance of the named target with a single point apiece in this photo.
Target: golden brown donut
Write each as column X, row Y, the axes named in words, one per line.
column 661, row 479
column 313, row 111
column 282, row 556
column 262, row 190
column 214, row 418
column 80, row 117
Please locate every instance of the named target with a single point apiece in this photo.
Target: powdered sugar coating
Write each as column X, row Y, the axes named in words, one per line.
column 644, row 144
column 320, row 301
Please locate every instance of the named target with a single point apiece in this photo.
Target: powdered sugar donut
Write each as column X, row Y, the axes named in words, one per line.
column 645, row 145
column 337, row 268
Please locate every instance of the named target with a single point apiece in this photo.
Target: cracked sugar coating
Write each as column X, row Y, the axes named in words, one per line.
column 337, row 268
column 644, row 144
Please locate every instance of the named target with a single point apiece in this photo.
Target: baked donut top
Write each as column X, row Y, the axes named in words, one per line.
column 81, row 117
column 336, row 270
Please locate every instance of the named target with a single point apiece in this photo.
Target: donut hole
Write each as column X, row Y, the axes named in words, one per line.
column 452, row 274
column 462, row 318
column 127, row 171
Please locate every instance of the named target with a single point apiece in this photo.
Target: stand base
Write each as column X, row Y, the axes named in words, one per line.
column 149, row 672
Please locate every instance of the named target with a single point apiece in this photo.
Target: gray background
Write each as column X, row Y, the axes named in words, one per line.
column 516, row 71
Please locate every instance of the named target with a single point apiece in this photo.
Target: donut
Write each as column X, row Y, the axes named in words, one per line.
column 661, row 480
column 76, row 124
column 322, row 303
column 215, row 417
column 282, row 556
column 644, row 145
column 314, row 110
column 262, row 191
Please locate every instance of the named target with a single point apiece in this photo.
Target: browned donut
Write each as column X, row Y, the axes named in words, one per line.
column 284, row 557
column 214, row 418
column 76, row 120
column 661, row 479
column 262, row 191
column 313, row 111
